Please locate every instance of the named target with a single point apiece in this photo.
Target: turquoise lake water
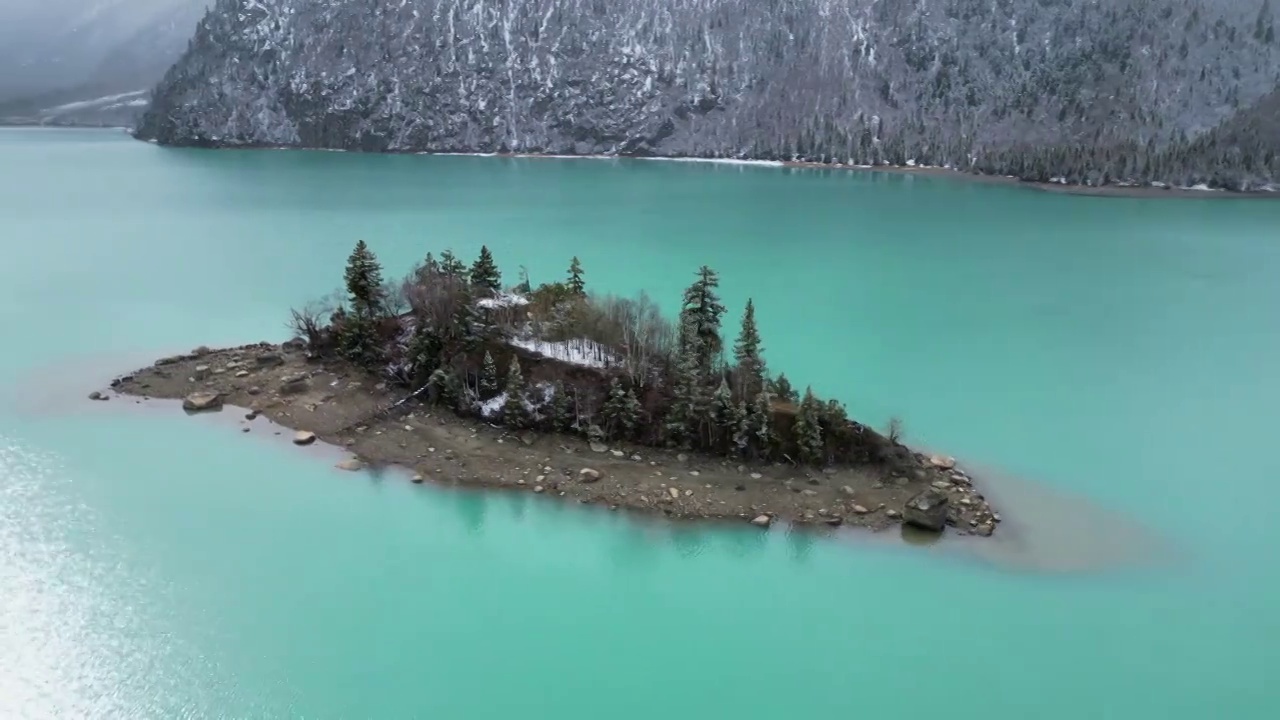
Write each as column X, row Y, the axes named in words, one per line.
column 1123, row 353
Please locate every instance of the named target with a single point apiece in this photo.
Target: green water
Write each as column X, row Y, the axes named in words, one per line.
column 157, row 566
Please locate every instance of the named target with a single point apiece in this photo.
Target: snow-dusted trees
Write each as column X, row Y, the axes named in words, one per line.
column 485, row 277
column 688, row 393
column 701, row 313
column 515, row 411
column 488, row 377
column 621, row 412
column 358, row 327
column 807, row 432
column 643, row 379
column 751, row 373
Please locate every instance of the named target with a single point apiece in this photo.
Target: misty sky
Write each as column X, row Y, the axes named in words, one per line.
column 46, row 44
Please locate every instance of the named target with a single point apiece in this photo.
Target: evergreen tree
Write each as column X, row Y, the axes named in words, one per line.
column 464, row 323
column 359, row 341
column 451, row 267
column 745, row 431
column 524, row 287
column 485, row 277
column 364, row 281
column 488, row 377
column 561, row 415
column 762, row 424
column 429, row 270
column 724, row 415
column 702, row 308
column 621, row 411
column 686, row 405
column 423, row 353
column 807, row 432
column 783, row 390
column 514, row 412
column 444, row 387
column 746, row 352
column 576, row 284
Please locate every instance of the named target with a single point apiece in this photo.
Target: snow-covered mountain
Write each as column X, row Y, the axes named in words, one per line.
column 64, row 60
column 1082, row 90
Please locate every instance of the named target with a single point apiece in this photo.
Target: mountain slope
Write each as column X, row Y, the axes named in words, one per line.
column 67, row 65
column 1082, row 90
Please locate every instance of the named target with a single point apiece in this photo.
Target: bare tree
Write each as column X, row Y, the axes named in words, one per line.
column 311, row 322
column 395, row 297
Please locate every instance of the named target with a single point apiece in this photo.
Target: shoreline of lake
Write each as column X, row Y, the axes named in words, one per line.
column 342, row 406
column 1110, row 190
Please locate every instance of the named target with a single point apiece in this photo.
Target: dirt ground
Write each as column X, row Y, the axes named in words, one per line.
column 335, row 402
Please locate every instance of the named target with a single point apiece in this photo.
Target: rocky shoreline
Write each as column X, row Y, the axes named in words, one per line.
column 1109, row 190
column 333, row 402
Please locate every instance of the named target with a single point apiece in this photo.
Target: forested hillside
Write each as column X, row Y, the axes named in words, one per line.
column 1079, row 91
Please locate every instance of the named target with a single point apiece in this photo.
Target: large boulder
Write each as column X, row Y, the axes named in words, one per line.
column 943, row 462
column 927, row 510
column 200, row 401
column 269, row 359
column 294, row 384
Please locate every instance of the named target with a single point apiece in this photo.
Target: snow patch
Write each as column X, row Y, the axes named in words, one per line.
column 104, row 100
column 493, row 406
column 503, row 300
column 581, row 351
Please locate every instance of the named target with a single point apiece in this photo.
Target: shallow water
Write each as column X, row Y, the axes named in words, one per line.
column 1113, row 358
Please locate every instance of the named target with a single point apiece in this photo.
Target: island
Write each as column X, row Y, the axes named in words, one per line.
column 462, row 379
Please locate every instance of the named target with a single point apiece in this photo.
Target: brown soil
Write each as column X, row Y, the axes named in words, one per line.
column 335, row 402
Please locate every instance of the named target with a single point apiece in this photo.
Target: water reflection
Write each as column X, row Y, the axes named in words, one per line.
column 1044, row 529
column 800, row 542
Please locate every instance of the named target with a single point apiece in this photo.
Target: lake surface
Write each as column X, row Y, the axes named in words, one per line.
column 1123, row 353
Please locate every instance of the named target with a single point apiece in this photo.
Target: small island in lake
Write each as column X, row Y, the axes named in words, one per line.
column 559, row 391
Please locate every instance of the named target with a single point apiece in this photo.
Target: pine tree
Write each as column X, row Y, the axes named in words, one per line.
column 444, row 387
column 485, row 277
column 464, row 323
column 423, row 353
column 807, row 432
column 703, row 309
column 359, row 340
column 514, row 412
column 621, row 411
column 561, row 415
column 724, row 415
column 451, row 267
column 364, row 282
column 488, row 377
column 746, row 352
column 576, row 284
column 783, row 390
column 762, row 424
column 687, row 403
column 744, row 432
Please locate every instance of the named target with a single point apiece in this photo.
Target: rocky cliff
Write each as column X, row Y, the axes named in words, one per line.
column 1073, row 90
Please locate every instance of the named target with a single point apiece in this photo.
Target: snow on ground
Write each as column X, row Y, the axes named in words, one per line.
column 491, row 407
column 503, row 300
column 105, row 100
column 583, row 352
